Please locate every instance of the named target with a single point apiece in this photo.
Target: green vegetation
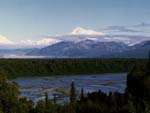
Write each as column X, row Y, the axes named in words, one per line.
column 138, row 89
column 97, row 102
column 9, row 98
column 14, row 68
column 136, row 98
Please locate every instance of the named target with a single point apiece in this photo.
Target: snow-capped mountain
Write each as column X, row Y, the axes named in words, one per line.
column 92, row 48
column 140, row 50
column 7, row 44
column 78, row 34
column 5, row 40
column 37, row 43
column 82, row 31
column 79, row 43
column 86, row 48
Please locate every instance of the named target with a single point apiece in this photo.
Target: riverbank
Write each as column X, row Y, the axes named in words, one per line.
column 14, row 68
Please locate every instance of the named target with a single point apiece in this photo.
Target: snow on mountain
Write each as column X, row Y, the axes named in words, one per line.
column 86, row 48
column 82, row 31
column 77, row 35
column 38, row 43
column 5, row 43
column 5, row 40
column 80, row 34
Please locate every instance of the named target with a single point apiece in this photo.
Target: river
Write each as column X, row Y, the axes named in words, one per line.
column 35, row 87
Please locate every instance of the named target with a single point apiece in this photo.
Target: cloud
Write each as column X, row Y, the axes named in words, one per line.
column 125, row 38
column 121, row 29
column 115, row 38
column 128, row 39
column 132, row 39
column 143, row 24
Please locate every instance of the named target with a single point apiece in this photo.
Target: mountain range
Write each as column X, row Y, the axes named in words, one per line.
column 90, row 48
column 79, row 43
column 140, row 50
column 86, row 48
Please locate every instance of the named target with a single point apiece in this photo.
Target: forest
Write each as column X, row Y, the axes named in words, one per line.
column 136, row 98
column 14, row 68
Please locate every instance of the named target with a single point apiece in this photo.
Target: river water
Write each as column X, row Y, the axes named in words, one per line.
column 35, row 87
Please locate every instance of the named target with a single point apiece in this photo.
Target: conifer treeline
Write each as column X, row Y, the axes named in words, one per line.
column 14, row 68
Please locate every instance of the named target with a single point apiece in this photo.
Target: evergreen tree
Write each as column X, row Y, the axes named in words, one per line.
column 82, row 94
column 46, row 97
column 54, row 99
column 46, row 103
column 9, row 93
column 73, row 93
column 138, row 89
column 148, row 66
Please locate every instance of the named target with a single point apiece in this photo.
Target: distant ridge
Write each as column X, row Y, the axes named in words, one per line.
column 90, row 48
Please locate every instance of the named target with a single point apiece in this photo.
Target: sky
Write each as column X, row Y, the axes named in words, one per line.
column 32, row 19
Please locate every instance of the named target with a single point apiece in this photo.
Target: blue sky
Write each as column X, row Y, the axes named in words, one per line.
column 30, row 19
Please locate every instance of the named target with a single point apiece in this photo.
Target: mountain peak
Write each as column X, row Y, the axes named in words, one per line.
column 4, row 40
column 82, row 31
